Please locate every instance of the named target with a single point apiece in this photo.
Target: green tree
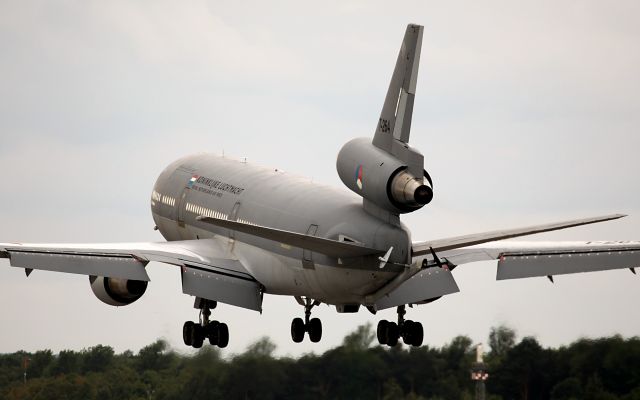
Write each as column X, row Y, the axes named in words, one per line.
column 501, row 340
column 67, row 362
column 263, row 347
column 360, row 339
column 568, row 389
column 154, row 356
column 97, row 358
column 39, row 362
column 392, row 390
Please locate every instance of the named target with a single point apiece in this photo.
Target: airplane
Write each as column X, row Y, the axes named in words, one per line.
column 238, row 231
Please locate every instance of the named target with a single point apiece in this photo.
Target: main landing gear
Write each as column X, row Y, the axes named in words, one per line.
column 313, row 326
column 410, row 331
column 194, row 334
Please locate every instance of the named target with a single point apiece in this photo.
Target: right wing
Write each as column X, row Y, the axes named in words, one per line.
column 207, row 270
column 422, row 248
column 533, row 259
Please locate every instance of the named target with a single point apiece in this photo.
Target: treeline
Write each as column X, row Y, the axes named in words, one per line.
column 600, row 369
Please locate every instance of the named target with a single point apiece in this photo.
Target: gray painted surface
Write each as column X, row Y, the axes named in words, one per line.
column 426, row 285
column 108, row 265
column 515, row 265
column 221, row 287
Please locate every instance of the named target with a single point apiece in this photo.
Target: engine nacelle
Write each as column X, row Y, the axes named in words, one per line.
column 382, row 178
column 116, row 291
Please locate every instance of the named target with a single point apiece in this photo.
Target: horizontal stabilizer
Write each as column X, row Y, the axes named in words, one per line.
column 332, row 248
column 423, row 248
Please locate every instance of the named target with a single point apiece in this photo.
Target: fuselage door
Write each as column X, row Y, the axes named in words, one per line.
column 307, row 255
column 180, row 207
column 233, row 216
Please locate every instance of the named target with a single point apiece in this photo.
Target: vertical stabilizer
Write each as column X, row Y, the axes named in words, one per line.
column 395, row 118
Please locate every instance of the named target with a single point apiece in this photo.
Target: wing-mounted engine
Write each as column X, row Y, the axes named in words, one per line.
column 382, row 178
column 386, row 170
column 117, row 291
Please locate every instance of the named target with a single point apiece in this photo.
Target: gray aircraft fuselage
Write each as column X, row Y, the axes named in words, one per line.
column 210, row 185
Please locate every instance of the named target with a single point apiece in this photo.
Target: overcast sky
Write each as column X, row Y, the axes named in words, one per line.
column 526, row 112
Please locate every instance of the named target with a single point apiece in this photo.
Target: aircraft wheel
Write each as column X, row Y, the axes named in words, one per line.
column 417, row 334
column 315, row 330
column 408, row 329
column 297, row 330
column 197, row 336
column 392, row 334
column 187, row 333
column 382, row 331
column 212, row 329
column 223, row 335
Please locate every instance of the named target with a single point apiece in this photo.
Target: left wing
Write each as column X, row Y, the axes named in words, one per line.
column 207, row 270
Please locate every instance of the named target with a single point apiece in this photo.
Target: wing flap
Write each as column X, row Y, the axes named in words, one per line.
column 427, row 284
column 423, row 248
column 122, row 266
column 220, row 286
column 536, row 259
column 527, row 264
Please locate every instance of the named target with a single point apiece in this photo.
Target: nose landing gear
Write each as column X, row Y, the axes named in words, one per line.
column 411, row 332
column 312, row 326
column 194, row 334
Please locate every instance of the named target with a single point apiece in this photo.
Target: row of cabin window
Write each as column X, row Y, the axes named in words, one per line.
column 205, row 211
column 168, row 200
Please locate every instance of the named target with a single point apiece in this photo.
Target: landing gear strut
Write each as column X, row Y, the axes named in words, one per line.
column 410, row 331
column 194, row 334
column 313, row 326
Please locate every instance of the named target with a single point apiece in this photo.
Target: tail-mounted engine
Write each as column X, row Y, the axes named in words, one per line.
column 383, row 179
column 116, row 291
column 386, row 170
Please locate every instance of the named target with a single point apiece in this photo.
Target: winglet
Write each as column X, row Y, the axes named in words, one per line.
column 395, row 118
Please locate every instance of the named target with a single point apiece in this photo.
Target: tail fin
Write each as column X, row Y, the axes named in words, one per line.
column 395, row 118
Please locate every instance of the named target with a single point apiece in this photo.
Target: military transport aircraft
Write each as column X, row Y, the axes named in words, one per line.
column 239, row 231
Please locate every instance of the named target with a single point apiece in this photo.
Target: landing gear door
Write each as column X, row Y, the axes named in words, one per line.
column 307, row 255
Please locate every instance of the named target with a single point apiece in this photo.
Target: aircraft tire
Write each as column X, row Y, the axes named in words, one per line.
column 392, row 334
column 297, row 330
column 383, row 331
column 315, row 330
column 197, row 337
column 212, row 332
column 223, row 335
column 408, row 329
column 187, row 333
column 417, row 335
